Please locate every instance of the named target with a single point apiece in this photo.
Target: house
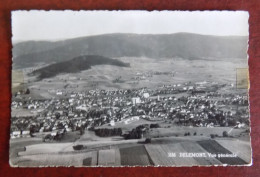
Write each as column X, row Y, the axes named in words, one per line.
column 136, row 100
column 15, row 134
column 146, row 95
column 59, row 93
column 112, row 123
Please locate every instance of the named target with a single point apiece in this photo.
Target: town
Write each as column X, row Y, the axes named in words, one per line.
column 200, row 104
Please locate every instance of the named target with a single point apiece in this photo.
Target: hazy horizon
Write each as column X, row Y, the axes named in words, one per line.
column 64, row 39
column 38, row 25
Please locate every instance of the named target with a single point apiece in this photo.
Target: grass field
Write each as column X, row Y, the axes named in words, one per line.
column 131, row 125
column 214, row 147
column 195, row 147
column 45, row 148
column 132, row 152
column 241, row 148
column 134, row 156
column 92, row 160
column 102, row 76
column 91, row 136
column 200, row 131
column 17, row 80
column 18, row 145
column 109, row 157
column 159, row 152
column 54, row 160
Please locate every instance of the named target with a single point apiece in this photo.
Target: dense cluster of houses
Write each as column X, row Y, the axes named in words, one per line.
column 198, row 104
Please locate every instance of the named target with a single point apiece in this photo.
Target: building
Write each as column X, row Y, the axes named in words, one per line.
column 146, row 95
column 136, row 100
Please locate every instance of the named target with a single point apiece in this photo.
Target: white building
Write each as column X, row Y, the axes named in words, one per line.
column 136, row 100
column 58, row 93
column 146, row 95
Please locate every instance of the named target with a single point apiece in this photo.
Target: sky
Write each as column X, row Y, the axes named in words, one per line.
column 59, row 25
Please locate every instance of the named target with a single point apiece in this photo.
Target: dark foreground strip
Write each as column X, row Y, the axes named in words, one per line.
column 214, row 147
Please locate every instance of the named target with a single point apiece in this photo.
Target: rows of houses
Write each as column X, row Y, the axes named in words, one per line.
column 94, row 108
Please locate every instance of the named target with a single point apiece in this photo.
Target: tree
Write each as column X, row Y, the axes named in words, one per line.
column 154, row 126
column 27, row 91
column 82, row 130
column 225, row 134
column 148, row 140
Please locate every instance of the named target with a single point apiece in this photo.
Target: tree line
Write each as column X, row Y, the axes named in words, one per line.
column 106, row 132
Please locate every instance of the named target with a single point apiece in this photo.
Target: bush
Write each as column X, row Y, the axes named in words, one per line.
column 225, row 134
column 187, row 134
column 154, row 126
column 106, row 132
column 212, row 136
column 78, row 147
column 195, row 133
column 148, row 140
column 82, row 130
column 247, row 131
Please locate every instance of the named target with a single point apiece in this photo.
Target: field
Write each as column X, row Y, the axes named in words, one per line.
column 54, row 160
column 103, row 76
column 241, row 148
column 130, row 152
column 22, row 113
column 200, row 131
column 134, row 156
column 130, row 125
column 17, row 80
column 109, row 157
column 18, row 145
column 213, row 147
column 89, row 136
column 159, row 153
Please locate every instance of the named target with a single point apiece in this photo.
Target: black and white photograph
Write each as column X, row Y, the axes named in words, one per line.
column 129, row 88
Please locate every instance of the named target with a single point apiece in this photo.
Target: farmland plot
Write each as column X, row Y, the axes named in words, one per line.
column 54, row 159
column 87, row 161
column 117, row 157
column 135, row 155
column 94, row 160
column 91, row 161
column 106, row 157
column 159, row 155
column 215, row 148
column 196, row 148
column 241, row 148
column 44, row 148
column 109, row 157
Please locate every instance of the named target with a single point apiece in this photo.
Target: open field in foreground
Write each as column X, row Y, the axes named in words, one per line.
column 134, row 153
column 241, row 148
column 213, row 147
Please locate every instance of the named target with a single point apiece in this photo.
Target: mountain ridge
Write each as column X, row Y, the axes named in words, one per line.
column 184, row 45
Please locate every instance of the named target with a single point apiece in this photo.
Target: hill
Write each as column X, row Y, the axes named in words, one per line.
column 76, row 65
column 184, row 45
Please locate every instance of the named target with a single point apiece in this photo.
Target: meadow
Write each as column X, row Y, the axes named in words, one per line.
column 137, row 75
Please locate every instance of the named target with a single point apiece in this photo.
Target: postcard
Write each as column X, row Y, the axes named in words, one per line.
column 129, row 88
